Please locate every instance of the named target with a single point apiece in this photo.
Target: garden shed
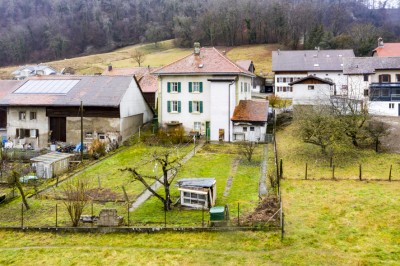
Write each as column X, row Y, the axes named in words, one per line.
column 197, row 192
column 51, row 164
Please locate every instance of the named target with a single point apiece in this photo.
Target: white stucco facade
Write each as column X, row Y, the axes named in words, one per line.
column 217, row 100
column 312, row 94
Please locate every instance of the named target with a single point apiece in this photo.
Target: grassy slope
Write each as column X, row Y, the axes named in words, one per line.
column 162, row 54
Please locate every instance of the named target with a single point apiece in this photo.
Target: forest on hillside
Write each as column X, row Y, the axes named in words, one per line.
column 39, row 30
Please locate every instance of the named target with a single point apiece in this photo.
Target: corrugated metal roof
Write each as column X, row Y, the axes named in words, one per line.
column 309, row 60
column 51, row 157
column 196, row 182
column 61, row 86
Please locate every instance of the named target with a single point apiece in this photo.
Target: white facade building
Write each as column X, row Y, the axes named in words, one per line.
column 200, row 92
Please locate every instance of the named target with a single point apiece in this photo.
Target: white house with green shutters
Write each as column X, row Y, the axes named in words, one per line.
column 200, row 92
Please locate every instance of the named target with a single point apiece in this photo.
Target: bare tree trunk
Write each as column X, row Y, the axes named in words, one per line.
column 21, row 191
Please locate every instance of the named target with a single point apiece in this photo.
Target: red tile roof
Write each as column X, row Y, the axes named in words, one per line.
column 209, row 61
column 8, row 86
column 388, row 49
column 245, row 64
column 252, row 111
column 147, row 81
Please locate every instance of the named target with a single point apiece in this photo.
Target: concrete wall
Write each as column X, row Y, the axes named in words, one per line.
column 130, row 125
column 41, row 123
column 95, row 125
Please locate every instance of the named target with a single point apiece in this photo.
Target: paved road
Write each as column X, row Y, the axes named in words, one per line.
column 156, row 185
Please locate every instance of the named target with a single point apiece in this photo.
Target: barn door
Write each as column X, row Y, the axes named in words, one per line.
column 58, row 127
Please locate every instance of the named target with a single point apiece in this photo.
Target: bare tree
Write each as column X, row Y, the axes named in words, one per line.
column 247, row 149
column 138, row 56
column 75, row 198
column 169, row 166
column 376, row 130
column 13, row 180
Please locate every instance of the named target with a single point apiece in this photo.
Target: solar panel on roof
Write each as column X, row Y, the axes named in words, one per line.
column 53, row 86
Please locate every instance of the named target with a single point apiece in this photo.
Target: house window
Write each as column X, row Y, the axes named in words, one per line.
column 196, row 87
column 22, row 115
column 32, row 115
column 310, row 87
column 251, row 128
column 174, row 106
column 195, row 107
column 366, row 92
column 88, row 135
column 397, row 77
column 244, row 129
column 365, row 77
column 385, row 78
column 174, row 87
column 197, row 126
column 385, row 93
column 391, row 105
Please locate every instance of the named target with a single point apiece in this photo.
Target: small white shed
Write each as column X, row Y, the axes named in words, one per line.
column 197, row 192
column 51, row 164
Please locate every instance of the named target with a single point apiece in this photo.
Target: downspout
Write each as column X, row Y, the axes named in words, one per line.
column 229, row 111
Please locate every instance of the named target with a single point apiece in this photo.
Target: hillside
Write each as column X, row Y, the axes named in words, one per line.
column 164, row 53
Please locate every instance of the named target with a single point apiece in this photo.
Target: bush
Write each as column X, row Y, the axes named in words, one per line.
column 97, row 149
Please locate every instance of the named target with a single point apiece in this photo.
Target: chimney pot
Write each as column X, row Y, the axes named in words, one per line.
column 380, row 42
column 197, row 48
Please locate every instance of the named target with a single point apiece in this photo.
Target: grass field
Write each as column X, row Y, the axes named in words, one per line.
column 164, row 53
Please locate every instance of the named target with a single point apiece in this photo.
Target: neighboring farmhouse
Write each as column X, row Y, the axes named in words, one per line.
column 34, row 70
column 39, row 110
column 147, row 81
column 386, row 49
column 291, row 66
column 200, row 92
column 378, row 80
column 312, row 90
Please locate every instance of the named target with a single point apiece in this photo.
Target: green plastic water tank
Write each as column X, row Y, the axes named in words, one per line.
column 217, row 213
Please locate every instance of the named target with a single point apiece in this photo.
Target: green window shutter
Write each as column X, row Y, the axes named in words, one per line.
column 201, row 86
column 169, row 86
column 190, row 107
column 190, row 86
column 179, row 106
column 201, row 106
column 169, row 106
column 179, row 87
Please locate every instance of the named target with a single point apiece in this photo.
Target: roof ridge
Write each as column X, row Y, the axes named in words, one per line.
column 233, row 63
column 172, row 63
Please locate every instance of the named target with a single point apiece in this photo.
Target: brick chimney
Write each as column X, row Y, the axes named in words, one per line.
column 197, row 48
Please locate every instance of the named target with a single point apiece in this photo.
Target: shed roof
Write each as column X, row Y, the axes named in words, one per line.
column 205, row 182
column 309, row 60
column 252, row 111
column 209, row 61
column 104, row 91
column 51, row 157
column 368, row 65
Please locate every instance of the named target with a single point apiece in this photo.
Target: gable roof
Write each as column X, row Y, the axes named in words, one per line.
column 368, row 65
column 252, row 111
column 311, row 77
column 103, row 91
column 387, row 49
column 309, row 60
column 209, row 61
column 245, row 64
column 146, row 80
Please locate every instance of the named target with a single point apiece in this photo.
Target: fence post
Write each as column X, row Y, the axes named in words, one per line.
column 128, row 213
column 331, row 162
column 281, row 168
column 202, row 217
column 390, row 174
column 238, row 218
column 333, row 172
column 22, row 215
column 283, row 226
column 56, row 215
column 306, row 171
column 360, row 173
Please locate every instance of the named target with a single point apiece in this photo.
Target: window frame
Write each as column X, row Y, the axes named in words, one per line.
column 384, row 78
column 32, row 115
column 22, row 115
column 311, row 87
